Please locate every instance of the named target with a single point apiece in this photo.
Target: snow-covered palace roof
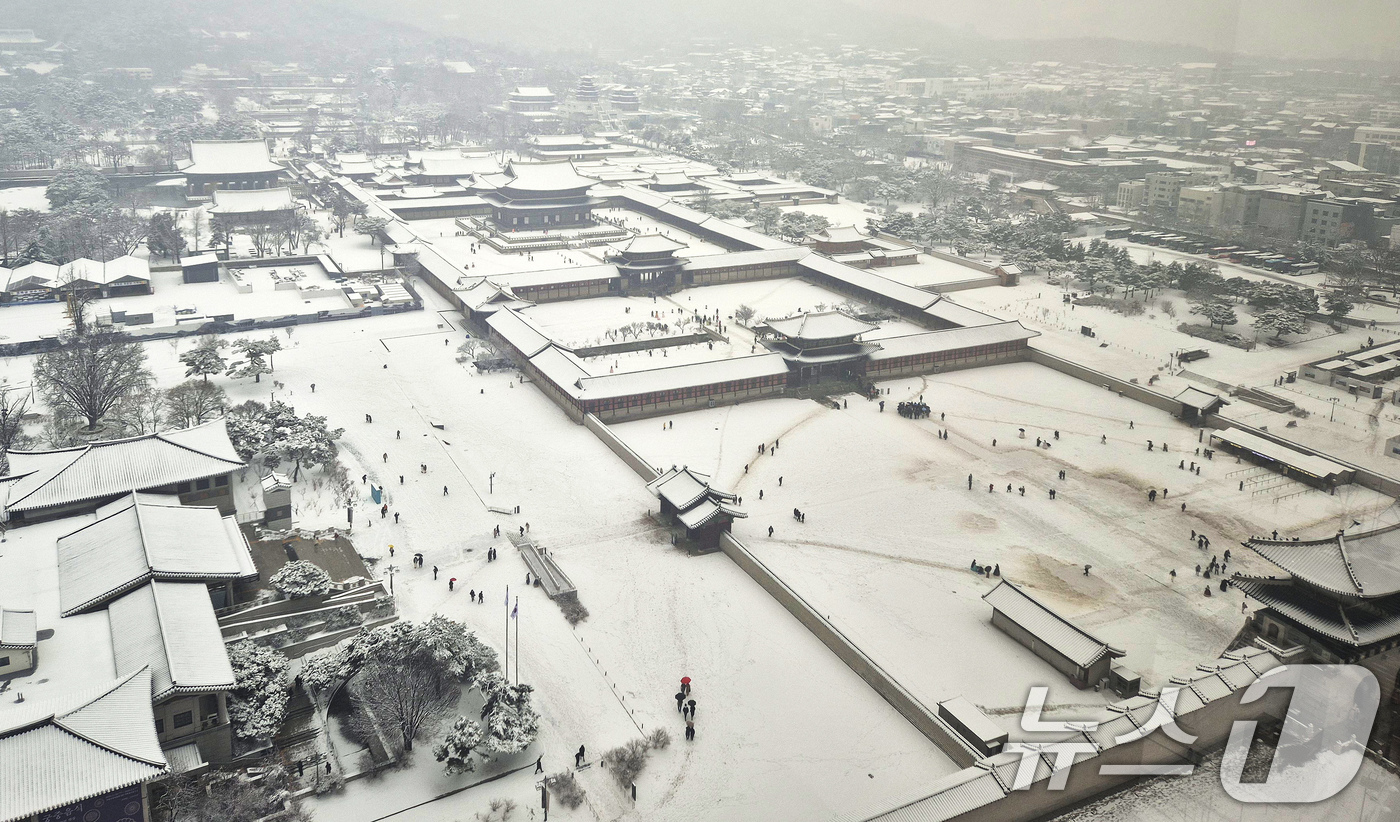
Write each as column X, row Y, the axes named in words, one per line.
column 171, row 627
column 78, row 746
column 45, row 479
column 1074, row 643
column 142, row 537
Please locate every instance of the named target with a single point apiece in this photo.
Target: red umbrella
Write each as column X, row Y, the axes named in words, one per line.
column 685, row 680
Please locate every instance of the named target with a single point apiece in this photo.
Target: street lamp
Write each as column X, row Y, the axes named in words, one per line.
column 492, row 486
column 1333, row 416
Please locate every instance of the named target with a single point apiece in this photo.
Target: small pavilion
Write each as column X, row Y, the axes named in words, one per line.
column 688, row 500
column 822, row 344
column 647, row 261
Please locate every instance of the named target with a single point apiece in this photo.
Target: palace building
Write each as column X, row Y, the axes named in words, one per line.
column 1339, row 601
column 223, row 164
column 531, row 196
column 821, row 344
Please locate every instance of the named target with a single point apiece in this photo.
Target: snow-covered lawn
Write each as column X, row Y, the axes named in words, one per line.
column 892, row 528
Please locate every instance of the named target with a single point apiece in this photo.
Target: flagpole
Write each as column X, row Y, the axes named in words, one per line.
column 517, row 640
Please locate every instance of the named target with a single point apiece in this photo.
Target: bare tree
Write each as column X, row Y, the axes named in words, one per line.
column 13, row 406
column 192, row 402
column 408, row 698
column 90, row 374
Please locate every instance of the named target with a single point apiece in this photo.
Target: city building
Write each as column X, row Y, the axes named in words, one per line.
column 1282, row 210
column 1131, row 194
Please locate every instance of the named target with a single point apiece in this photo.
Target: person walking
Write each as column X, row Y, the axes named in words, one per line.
column 435, row 572
column 680, row 701
column 444, row 490
column 539, row 764
column 578, row 757
column 691, row 705
column 452, row 584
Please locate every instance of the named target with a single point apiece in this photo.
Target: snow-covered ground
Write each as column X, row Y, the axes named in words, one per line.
column 892, row 528
column 783, row 719
column 1139, row 347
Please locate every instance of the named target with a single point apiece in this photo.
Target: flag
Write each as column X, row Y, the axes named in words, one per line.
column 515, row 611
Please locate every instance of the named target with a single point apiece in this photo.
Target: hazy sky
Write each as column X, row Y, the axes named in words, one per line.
column 1368, row 29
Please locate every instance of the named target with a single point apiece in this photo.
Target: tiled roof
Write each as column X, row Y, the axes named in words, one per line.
column 821, row 326
column 87, row 744
column 950, row 339
column 710, row 372
column 44, row 479
column 142, row 537
column 170, row 627
column 1378, row 621
column 519, row 332
column 18, row 629
column 223, row 157
column 1363, row 565
column 1076, row 644
column 252, row 200
column 681, row 487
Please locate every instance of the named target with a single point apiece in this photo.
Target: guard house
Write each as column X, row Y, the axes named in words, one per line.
column 1313, row 470
column 687, row 498
column 821, row 345
column 647, row 261
column 200, row 268
column 229, row 164
column 1339, row 600
column 1074, row 652
column 1196, row 405
column 532, row 196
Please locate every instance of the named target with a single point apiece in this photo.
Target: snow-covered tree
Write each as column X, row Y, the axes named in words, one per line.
column 511, row 722
column 743, row 314
column 300, row 578
column 1281, row 321
column 305, row 441
column 458, row 746
column 204, row 359
column 258, row 701
column 257, row 357
column 275, row 432
column 1216, row 313
column 438, row 643
column 1338, row 304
